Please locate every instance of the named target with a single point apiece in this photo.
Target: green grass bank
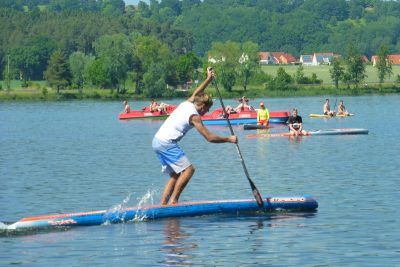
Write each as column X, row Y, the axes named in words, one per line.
column 39, row 91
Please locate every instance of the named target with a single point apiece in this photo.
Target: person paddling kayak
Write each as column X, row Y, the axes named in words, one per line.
column 174, row 161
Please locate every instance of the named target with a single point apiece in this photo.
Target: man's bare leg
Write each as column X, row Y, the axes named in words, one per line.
column 169, row 188
column 181, row 182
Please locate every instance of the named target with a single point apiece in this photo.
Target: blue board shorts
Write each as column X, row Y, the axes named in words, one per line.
column 171, row 156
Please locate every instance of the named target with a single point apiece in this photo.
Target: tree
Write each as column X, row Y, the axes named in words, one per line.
column 7, row 74
column 97, row 73
column 299, row 77
column 383, row 65
column 337, row 72
column 188, row 4
column 144, row 9
column 113, row 8
column 116, row 54
column 78, row 63
column 185, row 66
column 225, row 58
column 57, row 73
column 154, row 81
column 249, row 62
column 148, row 51
column 174, row 5
column 25, row 60
column 281, row 81
column 355, row 66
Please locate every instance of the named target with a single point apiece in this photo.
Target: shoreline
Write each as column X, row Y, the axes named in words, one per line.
column 33, row 94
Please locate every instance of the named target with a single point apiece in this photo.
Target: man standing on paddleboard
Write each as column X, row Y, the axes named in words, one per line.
column 165, row 143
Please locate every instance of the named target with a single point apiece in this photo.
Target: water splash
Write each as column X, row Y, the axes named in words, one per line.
column 3, row 226
column 118, row 213
column 145, row 200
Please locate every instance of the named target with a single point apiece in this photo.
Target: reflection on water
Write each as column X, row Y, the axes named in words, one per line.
column 176, row 245
column 180, row 246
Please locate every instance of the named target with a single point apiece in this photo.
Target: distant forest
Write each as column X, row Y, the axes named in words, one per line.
column 33, row 30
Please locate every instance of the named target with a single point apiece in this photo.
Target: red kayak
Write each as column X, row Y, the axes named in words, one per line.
column 145, row 113
column 243, row 117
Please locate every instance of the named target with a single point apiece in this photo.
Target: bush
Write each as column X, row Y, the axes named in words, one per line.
column 281, row 81
column 314, row 79
column 67, row 96
column 45, row 91
column 123, row 91
column 168, row 93
column 24, row 84
column 260, row 78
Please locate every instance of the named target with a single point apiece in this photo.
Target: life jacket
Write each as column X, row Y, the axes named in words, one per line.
column 262, row 114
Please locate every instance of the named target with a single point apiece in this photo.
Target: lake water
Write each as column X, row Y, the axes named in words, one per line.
column 77, row 156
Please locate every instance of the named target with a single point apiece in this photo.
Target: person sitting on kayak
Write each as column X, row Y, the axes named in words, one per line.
column 248, row 106
column 327, row 108
column 262, row 115
column 165, row 142
column 243, row 105
column 154, row 106
column 342, row 109
column 229, row 110
column 127, row 108
column 295, row 124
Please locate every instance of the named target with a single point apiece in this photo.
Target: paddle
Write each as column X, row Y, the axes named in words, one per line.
column 334, row 107
column 254, row 189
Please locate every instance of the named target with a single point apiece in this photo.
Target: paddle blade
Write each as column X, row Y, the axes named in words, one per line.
column 256, row 194
column 258, row 198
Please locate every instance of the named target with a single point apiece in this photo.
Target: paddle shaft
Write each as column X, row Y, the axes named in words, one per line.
column 254, row 189
column 334, row 107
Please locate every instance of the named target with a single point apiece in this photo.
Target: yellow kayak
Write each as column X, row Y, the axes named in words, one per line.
column 328, row 116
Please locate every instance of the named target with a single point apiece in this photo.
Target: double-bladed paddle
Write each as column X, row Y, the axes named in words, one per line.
column 254, row 189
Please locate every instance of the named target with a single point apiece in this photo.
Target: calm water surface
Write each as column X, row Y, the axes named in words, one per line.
column 77, row 156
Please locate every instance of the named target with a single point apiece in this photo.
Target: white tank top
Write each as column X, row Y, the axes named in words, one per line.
column 177, row 124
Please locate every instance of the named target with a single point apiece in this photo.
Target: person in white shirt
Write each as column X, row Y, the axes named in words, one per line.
column 165, row 142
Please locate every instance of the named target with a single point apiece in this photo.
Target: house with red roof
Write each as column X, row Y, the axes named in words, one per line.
column 364, row 59
column 394, row 59
column 276, row 58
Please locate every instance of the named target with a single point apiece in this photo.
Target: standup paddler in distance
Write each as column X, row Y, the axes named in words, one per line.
column 174, row 161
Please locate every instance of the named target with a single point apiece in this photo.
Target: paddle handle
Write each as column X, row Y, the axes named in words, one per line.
column 254, row 189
